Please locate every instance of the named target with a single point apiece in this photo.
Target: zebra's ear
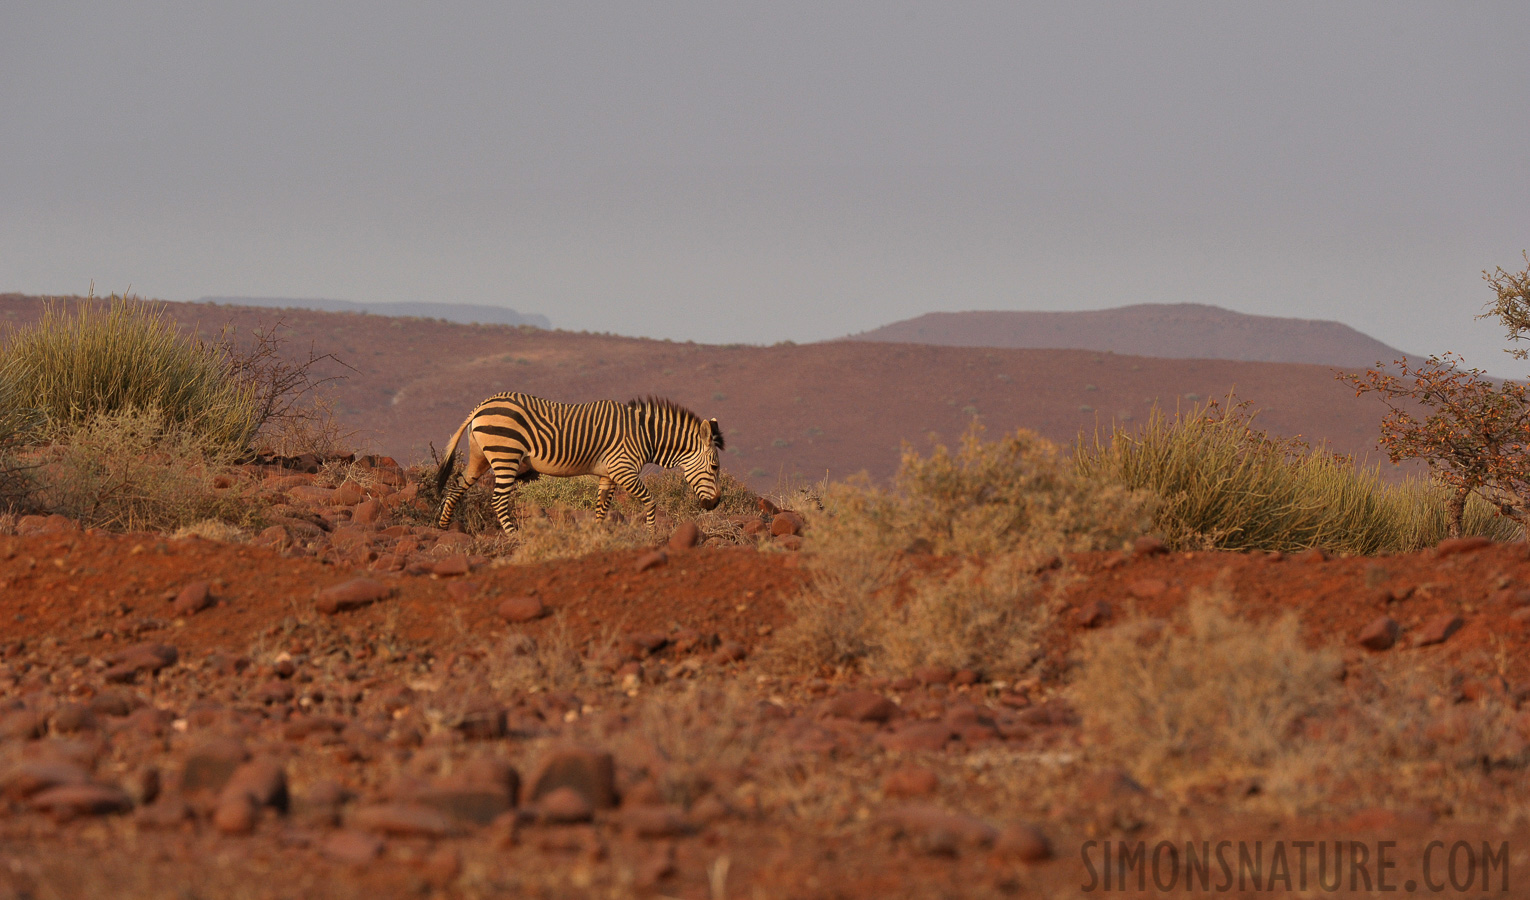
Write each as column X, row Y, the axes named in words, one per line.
column 716, row 432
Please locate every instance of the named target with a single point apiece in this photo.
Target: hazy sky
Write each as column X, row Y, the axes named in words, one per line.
column 758, row 172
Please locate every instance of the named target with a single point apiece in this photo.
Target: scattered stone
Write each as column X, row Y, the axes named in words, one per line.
column 70, row 800
column 910, row 781
column 263, row 781
column 650, row 822
column 934, row 674
column 686, row 536
column 916, row 737
column 1110, row 784
column 1457, row 546
column 348, row 494
column 275, row 692
column 965, row 677
column 1438, row 630
column 862, row 706
column 169, row 812
column 521, row 609
column 1092, row 615
column 21, row 725
column 1023, row 842
column 356, row 848
column 652, row 560
column 403, row 820
column 235, row 814
column 1380, row 634
column 143, row 785
column 37, row 775
column 352, row 594
column 1149, row 545
column 478, row 805
column 111, row 703
column 1312, row 555
column 451, row 566
column 786, row 522
column 590, row 772
column 126, row 665
column 564, row 806
column 211, row 765
column 1147, row 588
column 442, row 865
column 787, row 541
column 71, row 718
column 192, row 599
column 937, row 831
column 368, row 512
column 728, row 652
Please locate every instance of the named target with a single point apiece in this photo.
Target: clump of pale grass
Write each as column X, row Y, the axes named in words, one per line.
column 1211, row 698
column 1219, row 482
column 1002, row 507
column 134, row 470
column 540, row 540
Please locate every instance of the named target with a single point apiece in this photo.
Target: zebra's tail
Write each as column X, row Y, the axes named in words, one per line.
column 449, row 455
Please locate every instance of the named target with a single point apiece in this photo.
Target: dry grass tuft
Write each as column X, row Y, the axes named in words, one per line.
column 1002, row 508
column 540, row 540
column 1213, row 697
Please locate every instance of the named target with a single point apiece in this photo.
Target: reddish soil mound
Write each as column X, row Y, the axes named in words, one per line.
column 1171, row 330
column 799, row 411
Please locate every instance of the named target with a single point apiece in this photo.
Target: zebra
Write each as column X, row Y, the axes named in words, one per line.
column 520, row 438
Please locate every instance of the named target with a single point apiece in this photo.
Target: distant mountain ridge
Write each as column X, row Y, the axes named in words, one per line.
column 461, row 313
column 1164, row 330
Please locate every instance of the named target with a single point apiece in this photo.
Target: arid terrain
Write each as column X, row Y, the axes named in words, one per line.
column 331, row 697
column 793, row 412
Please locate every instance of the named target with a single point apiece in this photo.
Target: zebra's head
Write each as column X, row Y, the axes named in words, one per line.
column 700, row 466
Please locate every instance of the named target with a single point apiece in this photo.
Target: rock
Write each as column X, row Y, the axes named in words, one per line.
column 728, row 652
column 451, row 566
column 483, row 723
column 169, row 812
column 311, row 495
column 590, row 772
column 262, row 780
column 352, row 594
column 934, row 674
column 368, row 512
column 442, row 865
column 1149, row 545
column 651, row 560
column 937, row 831
column 111, row 703
column 70, row 718
column 21, row 725
column 1092, row 615
column 1438, row 630
column 564, row 806
column 126, row 665
column 1312, row 555
column 275, row 692
column 70, row 800
column 1109, row 784
column 1023, row 842
column 915, row 737
column 787, row 541
column 1147, row 588
column 862, row 706
column 354, row 848
column 965, row 677
column 348, row 494
column 403, row 820
column 478, row 805
column 786, row 522
column 54, row 524
column 235, row 814
column 521, row 609
column 192, row 599
column 34, row 776
column 1380, row 634
column 1457, row 546
column 650, row 822
column 910, row 781
column 686, row 536
column 143, row 785
column 756, row 527
column 211, row 765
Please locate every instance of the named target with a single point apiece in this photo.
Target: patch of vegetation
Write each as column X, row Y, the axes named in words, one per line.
column 1219, row 482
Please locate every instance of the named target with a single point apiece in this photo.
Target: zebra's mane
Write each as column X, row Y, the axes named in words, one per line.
column 665, row 404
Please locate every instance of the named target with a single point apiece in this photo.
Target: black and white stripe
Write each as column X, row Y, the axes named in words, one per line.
column 520, row 437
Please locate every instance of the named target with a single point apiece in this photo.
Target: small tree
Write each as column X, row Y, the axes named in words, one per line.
column 1476, row 434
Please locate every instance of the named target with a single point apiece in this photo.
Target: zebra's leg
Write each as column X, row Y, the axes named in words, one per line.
column 454, row 494
column 603, row 496
column 477, row 464
column 506, row 489
column 633, row 485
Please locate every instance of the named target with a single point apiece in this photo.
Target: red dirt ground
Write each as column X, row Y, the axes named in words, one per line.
column 808, row 811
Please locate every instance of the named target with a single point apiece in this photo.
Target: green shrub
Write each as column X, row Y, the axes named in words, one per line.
column 107, row 358
column 1221, row 483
